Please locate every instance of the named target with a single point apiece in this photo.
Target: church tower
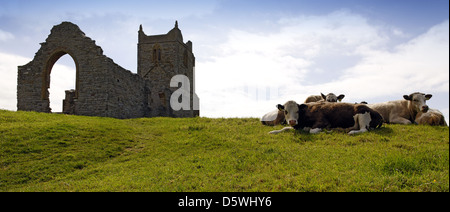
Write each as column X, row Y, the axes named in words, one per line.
column 160, row 58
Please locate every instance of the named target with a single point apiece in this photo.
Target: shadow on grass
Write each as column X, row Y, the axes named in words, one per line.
column 384, row 131
column 304, row 136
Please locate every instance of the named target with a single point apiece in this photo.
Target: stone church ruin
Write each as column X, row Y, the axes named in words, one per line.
column 103, row 88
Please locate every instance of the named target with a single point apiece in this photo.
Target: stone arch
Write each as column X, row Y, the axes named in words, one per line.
column 90, row 64
column 50, row 62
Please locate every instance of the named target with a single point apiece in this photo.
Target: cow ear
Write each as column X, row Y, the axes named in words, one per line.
column 323, row 96
column 340, row 97
column 428, row 96
column 302, row 107
column 280, row 107
column 407, row 97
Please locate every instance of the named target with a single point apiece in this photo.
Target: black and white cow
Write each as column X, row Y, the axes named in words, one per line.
column 355, row 118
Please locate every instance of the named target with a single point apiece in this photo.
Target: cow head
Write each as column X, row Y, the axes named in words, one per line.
column 290, row 109
column 331, row 97
column 418, row 101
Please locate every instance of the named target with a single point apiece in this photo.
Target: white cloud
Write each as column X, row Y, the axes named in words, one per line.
column 8, row 79
column 399, row 33
column 340, row 52
column 339, row 32
column 421, row 64
column 5, row 36
column 279, row 62
column 62, row 78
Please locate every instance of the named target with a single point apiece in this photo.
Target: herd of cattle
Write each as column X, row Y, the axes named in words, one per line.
column 327, row 111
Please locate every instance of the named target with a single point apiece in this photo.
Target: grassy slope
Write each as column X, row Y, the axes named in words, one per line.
column 51, row 152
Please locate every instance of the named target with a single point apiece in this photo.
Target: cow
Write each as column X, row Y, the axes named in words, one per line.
column 313, row 117
column 276, row 117
column 273, row 118
column 403, row 111
column 432, row 117
column 331, row 97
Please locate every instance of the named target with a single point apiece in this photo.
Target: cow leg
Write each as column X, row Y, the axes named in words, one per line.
column 363, row 122
column 319, row 125
column 356, row 125
column 315, row 130
column 280, row 131
column 399, row 120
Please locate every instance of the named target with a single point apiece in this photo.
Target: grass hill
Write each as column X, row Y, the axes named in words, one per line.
column 55, row 152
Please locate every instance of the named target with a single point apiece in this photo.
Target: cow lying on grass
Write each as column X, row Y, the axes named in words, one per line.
column 331, row 97
column 403, row 111
column 276, row 117
column 432, row 117
column 355, row 118
column 273, row 118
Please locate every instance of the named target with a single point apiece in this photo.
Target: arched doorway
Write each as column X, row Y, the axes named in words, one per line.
column 60, row 81
column 62, row 78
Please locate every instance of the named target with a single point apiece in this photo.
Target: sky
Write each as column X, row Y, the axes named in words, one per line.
column 252, row 55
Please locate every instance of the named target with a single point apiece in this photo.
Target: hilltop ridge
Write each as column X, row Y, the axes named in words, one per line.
column 56, row 152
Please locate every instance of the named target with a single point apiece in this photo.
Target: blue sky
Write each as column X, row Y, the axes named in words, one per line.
column 252, row 55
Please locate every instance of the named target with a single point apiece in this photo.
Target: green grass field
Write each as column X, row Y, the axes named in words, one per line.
column 54, row 152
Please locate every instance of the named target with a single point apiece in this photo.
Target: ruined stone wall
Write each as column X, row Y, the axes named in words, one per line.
column 92, row 89
column 127, row 93
column 29, row 92
column 103, row 88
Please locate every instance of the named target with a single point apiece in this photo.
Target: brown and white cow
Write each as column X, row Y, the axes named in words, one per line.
column 276, row 117
column 331, row 97
column 403, row 111
column 355, row 118
column 432, row 117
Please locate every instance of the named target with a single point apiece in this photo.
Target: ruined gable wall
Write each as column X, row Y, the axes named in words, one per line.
column 97, row 89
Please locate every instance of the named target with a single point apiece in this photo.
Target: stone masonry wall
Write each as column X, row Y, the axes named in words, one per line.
column 126, row 93
column 103, row 88
column 161, row 57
